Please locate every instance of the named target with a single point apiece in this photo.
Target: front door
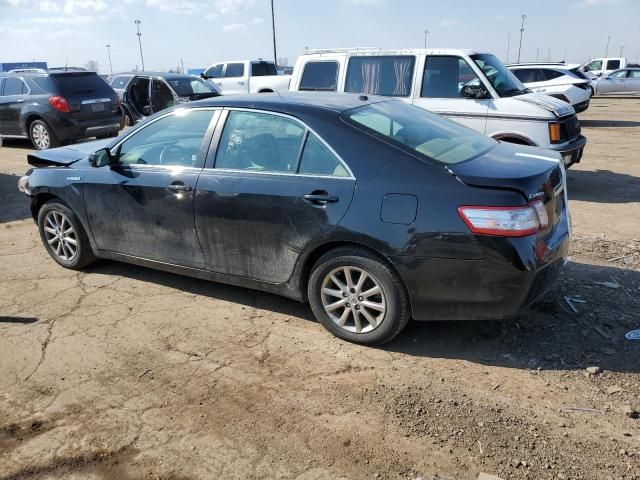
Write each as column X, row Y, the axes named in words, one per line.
column 274, row 188
column 443, row 78
column 234, row 79
column 613, row 83
column 143, row 206
column 161, row 96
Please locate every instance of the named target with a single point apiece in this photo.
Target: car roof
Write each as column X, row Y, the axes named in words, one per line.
column 287, row 102
column 146, row 73
column 394, row 51
column 52, row 73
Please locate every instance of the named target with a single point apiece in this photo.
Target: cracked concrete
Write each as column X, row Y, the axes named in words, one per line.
column 126, row 373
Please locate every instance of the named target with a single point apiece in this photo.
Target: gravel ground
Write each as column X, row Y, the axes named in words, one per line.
column 120, row 372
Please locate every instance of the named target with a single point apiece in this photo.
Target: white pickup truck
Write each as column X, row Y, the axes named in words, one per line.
column 601, row 67
column 246, row 76
column 469, row 87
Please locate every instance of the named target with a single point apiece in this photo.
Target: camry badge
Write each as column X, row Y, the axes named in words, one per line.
column 533, row 196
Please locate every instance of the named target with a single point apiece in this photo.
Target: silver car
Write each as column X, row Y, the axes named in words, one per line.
column 621, row 82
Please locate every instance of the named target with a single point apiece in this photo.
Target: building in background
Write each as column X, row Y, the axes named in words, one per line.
column 7, row 67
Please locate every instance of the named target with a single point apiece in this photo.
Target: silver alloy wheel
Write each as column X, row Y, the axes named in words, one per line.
column 40, row 136
column 353, row 299
column 60, row 235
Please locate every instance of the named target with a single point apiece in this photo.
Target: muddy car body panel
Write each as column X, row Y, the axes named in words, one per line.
column 265, row 230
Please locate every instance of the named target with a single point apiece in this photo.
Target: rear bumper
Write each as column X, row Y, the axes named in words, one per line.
column 68, row 128
column 572, row 152
column 512, row 275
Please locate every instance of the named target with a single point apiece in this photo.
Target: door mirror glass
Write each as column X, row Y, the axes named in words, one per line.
column 101, row 158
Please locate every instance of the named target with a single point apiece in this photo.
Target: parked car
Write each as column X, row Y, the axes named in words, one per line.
column 55, row 107
column 146, row 93
column 260, row 191
column 555, row 81
column 603, row 66
column 246, row 76
column 472, row 88
column 620, row 82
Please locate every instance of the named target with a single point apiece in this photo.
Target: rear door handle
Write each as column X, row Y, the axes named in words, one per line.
column 178, row 188
column 320, row 198
column 20, row 100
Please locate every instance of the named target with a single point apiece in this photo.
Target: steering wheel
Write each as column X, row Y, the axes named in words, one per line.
column 174, row 155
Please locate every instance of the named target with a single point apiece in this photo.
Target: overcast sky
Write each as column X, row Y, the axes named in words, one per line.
column 205, row 31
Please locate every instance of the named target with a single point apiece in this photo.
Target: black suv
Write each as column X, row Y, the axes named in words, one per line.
column 57, row 106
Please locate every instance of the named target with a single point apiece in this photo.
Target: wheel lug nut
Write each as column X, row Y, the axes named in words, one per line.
column 353, row 290
column 360, row 298
column 344, row 294
column 357, row 307
column 348, row 305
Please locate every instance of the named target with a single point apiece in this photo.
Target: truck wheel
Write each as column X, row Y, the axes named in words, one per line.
column 42, row 136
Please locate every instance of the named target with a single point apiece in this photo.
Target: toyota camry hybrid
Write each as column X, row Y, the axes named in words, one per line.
column 373, row 210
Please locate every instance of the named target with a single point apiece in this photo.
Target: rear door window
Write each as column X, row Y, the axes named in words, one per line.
column 613, row 64
column 214, row 72
column 445, row 76
column 234, row 70
column 15, row 86
column 320, row 76
column 380, row 75
column 262, row 69
column 317, row 159
column 634, row 74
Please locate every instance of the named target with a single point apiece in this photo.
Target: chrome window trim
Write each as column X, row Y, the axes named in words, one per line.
column 307, row 129
column 211, row 171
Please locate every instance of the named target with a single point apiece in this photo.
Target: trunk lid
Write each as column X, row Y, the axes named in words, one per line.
column 89, row 96
column 535, row 173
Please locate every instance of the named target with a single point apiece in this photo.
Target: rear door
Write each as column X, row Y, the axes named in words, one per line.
column 12, row 97
column 632, row 82
column 443, row 77
column 143, row 206
column 273, row 187
column 613, row 83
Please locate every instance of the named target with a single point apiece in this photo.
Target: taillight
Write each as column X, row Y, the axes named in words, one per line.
column 117, row 104
column 505, row 221
column 554, row 132
column 59, row 103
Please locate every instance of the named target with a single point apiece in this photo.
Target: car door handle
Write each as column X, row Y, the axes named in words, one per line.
column 20, row 100
column 178, row 188
column 320, row 198
column 240, row 83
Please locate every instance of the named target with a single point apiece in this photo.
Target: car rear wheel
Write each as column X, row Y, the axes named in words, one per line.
column 63, row 236
column 358, row 297
column 42, row 136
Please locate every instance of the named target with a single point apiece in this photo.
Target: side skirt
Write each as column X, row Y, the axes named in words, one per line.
column 283, row 289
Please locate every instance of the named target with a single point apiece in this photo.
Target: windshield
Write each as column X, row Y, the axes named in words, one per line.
column 189, row 87
column 416, row 130
column 502, row 80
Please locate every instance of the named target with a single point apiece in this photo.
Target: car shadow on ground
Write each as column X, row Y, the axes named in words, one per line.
column 602, row 186
column 609, row 123
column 13, row 204
column 549, row 335
column 16, row 143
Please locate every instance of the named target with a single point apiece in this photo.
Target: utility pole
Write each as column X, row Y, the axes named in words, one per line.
column 273, row 27
column 182, row 64
column 426, row 34
column 564, row 57
column 508, row 42
column 138, row 22
column 606, row 54
column 621, row 49
column 537, row 54
column 549, row 55
column 109, row 53
column 306, row 50
column 521, row 32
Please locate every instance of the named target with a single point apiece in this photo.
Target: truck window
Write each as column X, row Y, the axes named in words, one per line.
column 214, row 71
column 262, row 69
column 594, row 65
column 320, row 76
column 380, row 75
column 234, row 70
column 444, row 77
column 613, row 64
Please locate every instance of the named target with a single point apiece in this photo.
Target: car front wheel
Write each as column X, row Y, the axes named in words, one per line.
column 63, row 236
column 42, row 136
column 358, row 297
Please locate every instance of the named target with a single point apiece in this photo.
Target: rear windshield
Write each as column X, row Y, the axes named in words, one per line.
column 262, row 69
column 78, row 84
column 188, row 87
column 418, row 131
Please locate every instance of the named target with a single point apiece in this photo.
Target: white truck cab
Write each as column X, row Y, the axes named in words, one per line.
column 246, row 76
column 469, row 87
column 601, row 67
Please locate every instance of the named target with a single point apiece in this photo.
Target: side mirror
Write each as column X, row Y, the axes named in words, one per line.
column 101, row 158
column 474, row 91
column 202, row 75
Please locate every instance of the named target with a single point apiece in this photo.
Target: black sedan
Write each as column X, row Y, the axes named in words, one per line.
column 371, row 209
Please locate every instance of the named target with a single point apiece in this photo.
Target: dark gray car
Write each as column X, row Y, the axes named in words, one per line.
column 57, row 106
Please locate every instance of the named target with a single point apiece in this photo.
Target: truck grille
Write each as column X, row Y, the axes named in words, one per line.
column 570, row 128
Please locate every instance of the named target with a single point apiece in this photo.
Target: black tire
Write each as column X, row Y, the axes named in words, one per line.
column 397, row 312
column 42, row 136
column 108, row 135
column 128, row 120
column 84, row 253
